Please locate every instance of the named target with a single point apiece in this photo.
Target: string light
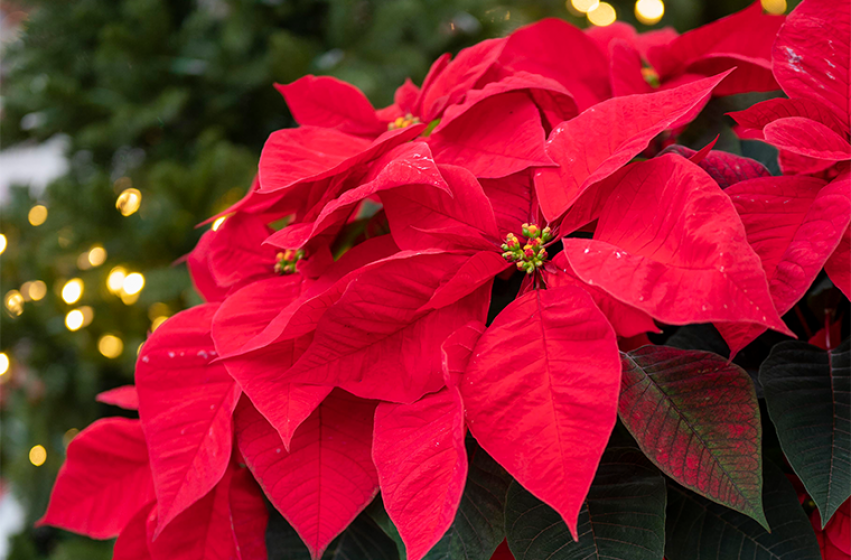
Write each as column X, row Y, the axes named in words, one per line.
column 2, row 243
column 218, row 223
column 115, row 280
column 74, row 320
column 4, row 363
column 133, row 283
column 97, row 255
column 649, row 12
column 110, row 346
column 37, row 215
column 36, row 290
column 129, row 299
column 88, row 315
column 72, row 291
column 774, row 7
column 128, row 201
column 38, row 455
column 155, row 324
column 602, row 15
column 583, row 6
column 14, row 302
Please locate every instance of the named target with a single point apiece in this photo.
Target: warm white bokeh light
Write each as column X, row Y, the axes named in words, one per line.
column 604, row 14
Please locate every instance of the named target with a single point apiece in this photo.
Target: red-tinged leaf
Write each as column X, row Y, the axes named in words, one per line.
column 479, row 269
column 669, row 242
column 105, row 480
column 696, row 416
column 132, row 543
column 330, row 103
column 759, row 115
column 838, row 266
column 434, row 72
column 742, row 40
column 244, row 315
column 626, row 320
column 540, row 48
column 808, row 138
column 611, row 133
column 511, row 199
column 725, row 168
column 376, row 343
column 328, row 476
column 409, row 165
column 794, row 224
column 185, row 404
column 495, row 138
column 457, row 349
column 553, row 97
column 202, row 532
column 459, row 217
column 812, row 54
column 502, row 552
column 604, row 36
column 248, row 515
column 125, row 397
column 421, row 461
column 235, row 252
column 625, row 67
column 200, row 273
column 541, row 394
column 406, row 97
column 827, row 338
column 458, row 77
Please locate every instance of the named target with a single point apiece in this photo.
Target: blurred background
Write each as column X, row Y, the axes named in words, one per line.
column 123, row 124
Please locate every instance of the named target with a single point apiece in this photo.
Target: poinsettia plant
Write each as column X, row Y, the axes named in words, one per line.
column 512, row 315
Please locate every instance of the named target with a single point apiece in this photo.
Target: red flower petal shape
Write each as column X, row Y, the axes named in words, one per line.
column 838, row 266
column 669, row 242
column 202, row 532
column 235, row 253
column 541, row 394
column 511, row 199
column 612, row 133
column 540, row 48
column 742, row 40
column 459, row 217
column 458, row 77
column 794, row 224
column 625, row 67
column 185, row 404
column 105, row 480
column 330, row 103
column 812, row 54
column 125, row 397
column 200, row 273
column 482, row 267
column 248, row 515
column 725, row 168
column 132, row 543
column 495, row 138
column 759, row 115
column 327, row 478
column 421, row 461
column 808, row 138
column 604, row 36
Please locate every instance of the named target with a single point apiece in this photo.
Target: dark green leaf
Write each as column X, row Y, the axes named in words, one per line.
column 623, row 517
column 808, row 398
column 478, row 527
column 697, row 418
column 698, row 529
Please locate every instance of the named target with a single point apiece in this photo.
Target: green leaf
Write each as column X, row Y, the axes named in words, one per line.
column 808, row 398
column 697, row 418
column 698, row 529
column 479, row 524
column 623, row 517
column 361, row 540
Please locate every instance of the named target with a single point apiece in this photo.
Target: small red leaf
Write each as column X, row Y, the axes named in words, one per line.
column 759, row 115
column 419, row 453
column 808, row 138
column 248, row 515
column 125, row 397
column 328, row 476
column 185, row 404
column 105, row 480
column 541, row 394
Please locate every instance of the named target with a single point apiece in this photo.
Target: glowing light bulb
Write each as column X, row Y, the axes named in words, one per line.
column 218, row 223
column 4, row 363
column 37, row 215
column 110, row 346
column 72, row 291
column 14, row 301
column 128, row 201
column 602, row 15
column 649, row 12
column 155, row 324
column 584, row 6
column 115, row 280
column 37, row 290
column 133, row 283
column 97, row 255
column 74, row 320
column 3, row 243
column 38, row 455
column 774, row 7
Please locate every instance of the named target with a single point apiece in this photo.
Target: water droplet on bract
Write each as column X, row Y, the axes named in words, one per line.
column 278, row 450
column 171, row 354
column 145, row 359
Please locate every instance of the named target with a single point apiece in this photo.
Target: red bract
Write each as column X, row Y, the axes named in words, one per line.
column 346, row 352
